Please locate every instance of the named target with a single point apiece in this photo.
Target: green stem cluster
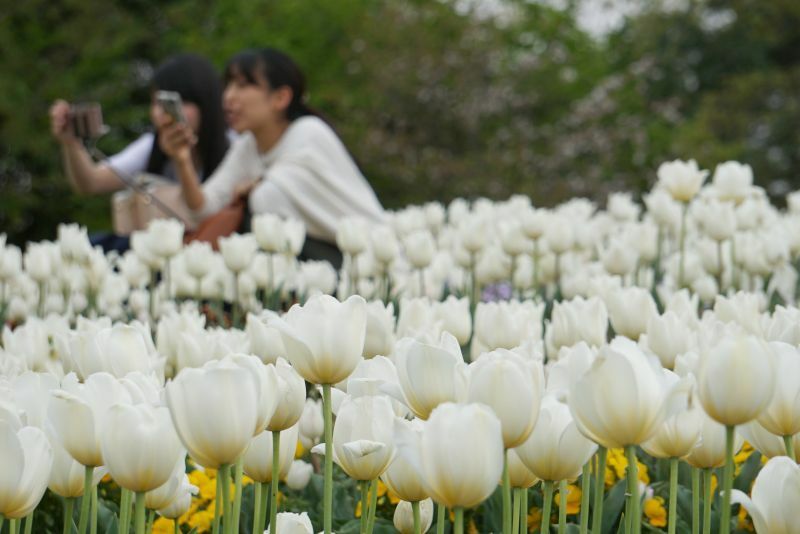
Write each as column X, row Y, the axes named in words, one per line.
column 599, row 489
column 328, row 480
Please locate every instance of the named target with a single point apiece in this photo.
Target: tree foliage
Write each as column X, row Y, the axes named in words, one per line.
column 435, row 99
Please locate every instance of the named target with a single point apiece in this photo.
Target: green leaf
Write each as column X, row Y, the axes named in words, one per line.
column 613, row 505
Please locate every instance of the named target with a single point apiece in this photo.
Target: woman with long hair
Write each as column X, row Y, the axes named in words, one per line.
column 287, row 160
column 196, row 80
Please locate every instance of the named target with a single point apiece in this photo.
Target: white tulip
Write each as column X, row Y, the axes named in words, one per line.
column 419, row 248
column 67, row 475
column 384, row 244
column 291, row 523
column 782, row 415
column 710, row 449
column 403, row 518
column 312, row 423
column 265, row 341
column 78, row 414
column 257, row 459
column 291, row 396
column 166, row 237
column 456, row 476
column 577, row 320
column 27, row 458
column 732, row 181
column 765, row 442
column 736, row 380
column 238, row 251
column 363, row 437
column 667, row 337
column 127, row 440
column 299, row 475
column 380, row 329
column 197, row 258
column 679, row 433
column 555, row 450
column 352, row 235
column 430, row 374
column 775, row 498
column 400, row 477
column 622, row 399
column 682, row 179
column 454, row 315
column 516, row 402
column 202, row 402
column 324, row 339
column 508, row 324
column 629, row 310
column 269, row 231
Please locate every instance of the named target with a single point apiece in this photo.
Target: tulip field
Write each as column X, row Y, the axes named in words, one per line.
column 477, row 367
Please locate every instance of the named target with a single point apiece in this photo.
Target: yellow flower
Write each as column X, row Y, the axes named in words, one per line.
column 163, row 525
column 358, row 508
column 617, row 465
column 472, row 528
column 744, row 522
column 299, row 450
column 382, row 489
column 573, row 499
column 201, row 521
column 655, row 512
column 534, row 519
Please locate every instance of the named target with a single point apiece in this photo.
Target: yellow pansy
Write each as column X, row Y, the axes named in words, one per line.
column 573, row 499
column 655, row 512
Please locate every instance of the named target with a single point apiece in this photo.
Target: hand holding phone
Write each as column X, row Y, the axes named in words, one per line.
column 171, row 103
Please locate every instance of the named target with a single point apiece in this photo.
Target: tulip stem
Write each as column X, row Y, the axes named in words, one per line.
column 459, row 521
column 152, row 302
column 441, row 512
column 257, row 508
column 93, row 516
column 633, row 489
column 789, row 444
column 86, row 500
column 585, row 488
column 515, row 513
column 673, row 495
column 328, row 480
column 2, row 520
column 725, row 517
column 547, row 502
column 227, row 519
column 695, row 500
column 13, row 527
column 364, row 485
column 523, row 512
column 373, row 502
column 217, row 500
column 69, row 503
column 29, row 523
column 139, row 513
column 262, row 514
column 417, row 521
column 237, row 495
column 562, row 506
column 506, row 495
column 276, row 456
column 706, row 501
column 599, row 489
column 235, row 303
column 151, row 516
column 124, row 511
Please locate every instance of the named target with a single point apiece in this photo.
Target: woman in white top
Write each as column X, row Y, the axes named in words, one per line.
column 287, row 161
column 196, row 80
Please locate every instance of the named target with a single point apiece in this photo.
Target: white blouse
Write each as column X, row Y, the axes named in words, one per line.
column 307, row 175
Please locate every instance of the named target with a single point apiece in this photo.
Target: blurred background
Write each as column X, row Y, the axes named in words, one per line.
column 436, row 99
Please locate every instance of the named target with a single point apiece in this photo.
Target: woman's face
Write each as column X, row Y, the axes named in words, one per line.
column 190, row 111
column 250, row 107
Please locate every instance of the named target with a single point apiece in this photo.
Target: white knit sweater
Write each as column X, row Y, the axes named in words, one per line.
column 307, row 175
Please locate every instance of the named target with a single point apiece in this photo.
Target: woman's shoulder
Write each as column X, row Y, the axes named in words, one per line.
column 311, row 127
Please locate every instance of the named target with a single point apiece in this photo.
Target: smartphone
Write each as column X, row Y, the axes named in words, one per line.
column 171, row 103
column 86, row 120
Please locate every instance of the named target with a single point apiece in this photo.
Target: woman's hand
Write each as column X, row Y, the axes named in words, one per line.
column 59, row 121
column 175, row 139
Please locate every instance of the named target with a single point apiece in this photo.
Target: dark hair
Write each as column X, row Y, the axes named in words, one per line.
column 197, row 81
column 277, row 70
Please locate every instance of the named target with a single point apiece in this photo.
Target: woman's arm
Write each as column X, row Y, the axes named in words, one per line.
column 85, row 176
column 176, row 140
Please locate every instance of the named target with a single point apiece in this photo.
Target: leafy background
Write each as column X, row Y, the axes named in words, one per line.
column 435, row 99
